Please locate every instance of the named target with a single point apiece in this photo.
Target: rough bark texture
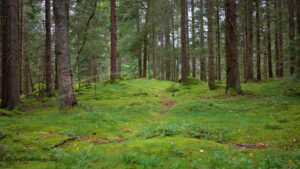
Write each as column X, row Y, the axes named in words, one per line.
column 291, row 35
column 218, row 68
column 21, row 45
column 113, row 31
column 183, row 42
column 167, row 39
column 265, row 56
column 210, row 40
column 232, row 61
column 258, row 64
column 66, row 93
column 203, row 56
column 188, row 69
column 269, row 42
column 250, row 40
column 48, row 49
column 298, row 33
column 10, row 59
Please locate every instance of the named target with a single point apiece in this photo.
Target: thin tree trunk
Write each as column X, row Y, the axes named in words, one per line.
column 187, row 41
column 162, row 57
column 265, row 56
column 276, row 40
column 10, row 59
column 232, row 61
column 48, row 61
column 145, row 58
column 218, row 68
column 258, row 68
column 113, row 30
column 291, row 35
column 298, row 33
column 250, row 40
column 167, row 39
column 210, row 40
column 66, row 93
column 202, row 48
column 193, row 39
column 280, row 39
column 269, row 41
column 184, row 70
column 154, row 40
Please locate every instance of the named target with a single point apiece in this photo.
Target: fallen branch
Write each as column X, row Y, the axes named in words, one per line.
column 61, row 143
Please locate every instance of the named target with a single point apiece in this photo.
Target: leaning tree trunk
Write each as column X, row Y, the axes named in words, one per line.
column 210, row 40
column 10, row 59
column 66, row 93
column 183, row 42
column 232, row 61
column 48, row 62
column 113, row 29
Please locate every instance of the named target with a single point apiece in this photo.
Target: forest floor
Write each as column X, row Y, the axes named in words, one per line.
column 156, row 124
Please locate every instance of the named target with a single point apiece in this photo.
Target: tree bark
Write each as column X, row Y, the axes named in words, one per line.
column 269, row 41
column 145, row 58
column 298, row 33
column 280, row 39
column 250, row 40
column 113, row 31
column 167, row 39
column 202, row 48
column 291, row 35
column 193, row 39
column 10, row 59
column 21, row 46
column 218, row 68
column 276, row 40
column 66, row 93
column 154, row 40
column 232, row 61
column 48, row 49
column 184, row 70
column 258, row 64
column 162, row 57
column 210, row 40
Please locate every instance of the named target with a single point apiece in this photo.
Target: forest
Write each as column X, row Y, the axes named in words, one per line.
column 179, row 84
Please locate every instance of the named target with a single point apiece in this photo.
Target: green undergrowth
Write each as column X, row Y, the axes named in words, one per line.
column 157, row 124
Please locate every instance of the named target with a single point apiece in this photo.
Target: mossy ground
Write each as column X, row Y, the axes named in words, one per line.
column 167, row 126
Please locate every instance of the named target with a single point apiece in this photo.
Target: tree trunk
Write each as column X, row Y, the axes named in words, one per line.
column 66, row 93
column 113, row 31
column 162, row 57
column 193, row 39
column 276, row 40
column 291, row 35
column 258, row 70
column 187, row 40
column 269, row 42
column 21, row 46
column 218, row 68
column 202, row 48
column 210, row 40
column 250, row 40
column 167, row 39
column 140, row 65
column 298, row 33
column 232, row 61
column 154, row 41
column 245, row 61
column 265, row 56
column 280, row 39
column 48, row 49
column 184, row 71
column 10, row 59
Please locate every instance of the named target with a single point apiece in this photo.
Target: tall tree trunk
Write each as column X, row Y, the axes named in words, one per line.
column 258, row 70
column 167, row 39
column 187, row 40
column 162, row 57
column 174, row 49
column 21, row 46
column 276, row 40
column 250, row 40
column 265, row 56
column 269, row 41
column 210, row 40
column 145, row 58
column 245, row 61
column 139, row 53
column 193, row 39
column 154, row 40
column 218, row 68
column 113, row 31
column 202, row 48
column 184, row 71
column 66, row 93
column 232, row 61
column 280, row 39
column 10, row 59
column 291, row 35
column 48, row 49
column 298, row 34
